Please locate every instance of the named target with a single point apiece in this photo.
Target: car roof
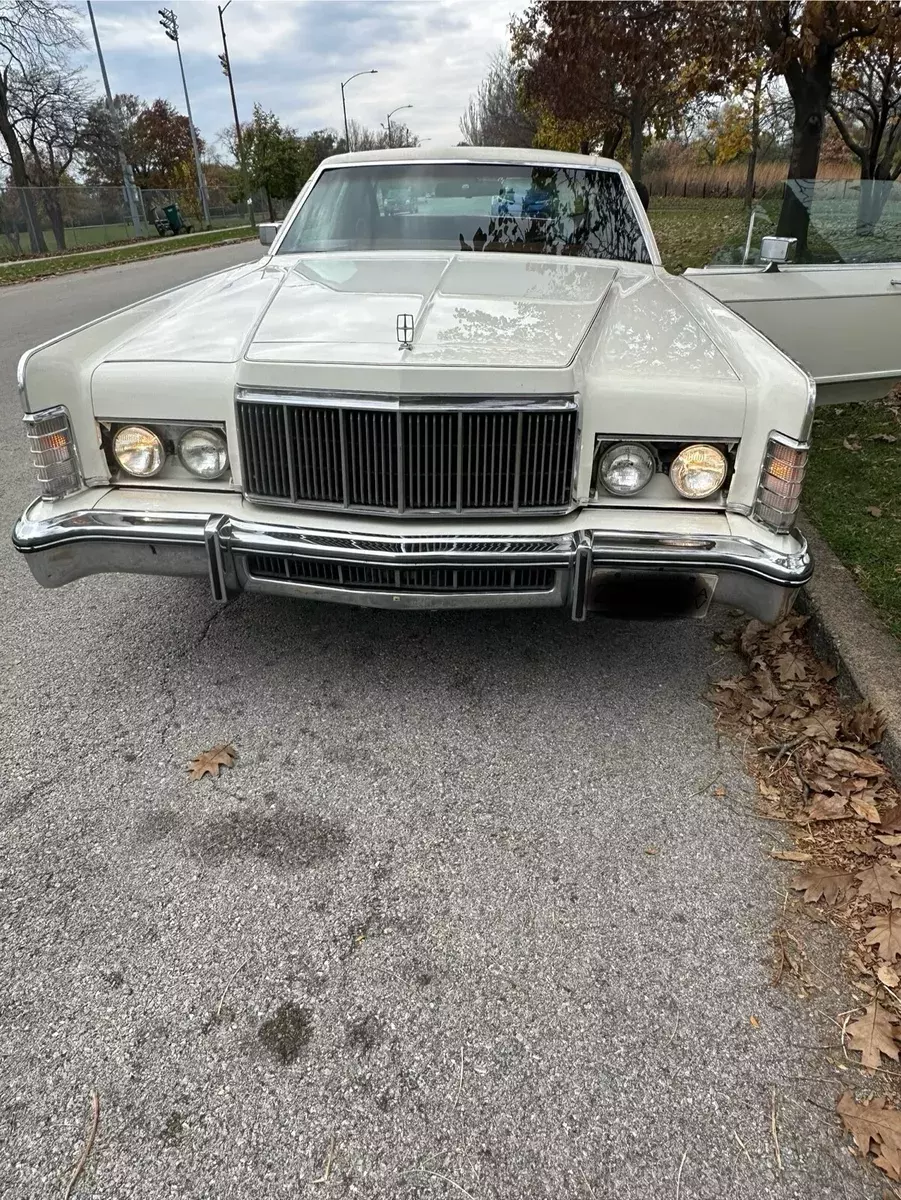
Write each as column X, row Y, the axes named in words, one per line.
column 524, row 156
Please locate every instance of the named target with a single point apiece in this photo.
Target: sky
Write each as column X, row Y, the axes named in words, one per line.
column 291, row 57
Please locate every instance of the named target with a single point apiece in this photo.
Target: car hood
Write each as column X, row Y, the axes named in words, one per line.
column 466, row 309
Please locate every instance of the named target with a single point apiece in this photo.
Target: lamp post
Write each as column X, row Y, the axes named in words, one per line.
column 128, row 178
column 390, row 115
column 344, row 105
column 227, row 71
column 169, row 22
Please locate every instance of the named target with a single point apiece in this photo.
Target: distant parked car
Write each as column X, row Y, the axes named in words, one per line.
column 455, row 410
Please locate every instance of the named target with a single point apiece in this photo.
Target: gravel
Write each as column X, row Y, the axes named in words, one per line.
column 466, row 917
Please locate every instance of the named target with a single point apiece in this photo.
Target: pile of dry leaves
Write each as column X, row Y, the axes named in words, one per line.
column 816, row 768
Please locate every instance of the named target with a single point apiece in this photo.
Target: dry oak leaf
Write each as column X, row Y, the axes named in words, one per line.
column 885, row 934
column 828, row 808
column 208, row 762
column 826, row 671
column 891, row 820
column 865, row 723
column 874, row 1034
column 824, row 883
column 870, row 1123
column 888, row 975
column 880, row 882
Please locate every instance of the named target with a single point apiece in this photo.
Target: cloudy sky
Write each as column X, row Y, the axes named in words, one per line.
column 291, row 57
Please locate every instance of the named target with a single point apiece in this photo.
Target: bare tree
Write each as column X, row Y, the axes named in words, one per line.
column 866, row 110
column 33, row 33
column 364, row 138
column 49, row 110
column 495, row 115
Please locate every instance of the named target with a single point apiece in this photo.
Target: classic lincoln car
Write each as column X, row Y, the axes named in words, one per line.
column 458, row 402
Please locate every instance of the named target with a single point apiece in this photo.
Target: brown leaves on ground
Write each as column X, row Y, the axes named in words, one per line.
column 816, row 768
column 208, row 762
column 874, row 1035
column 875, row 1126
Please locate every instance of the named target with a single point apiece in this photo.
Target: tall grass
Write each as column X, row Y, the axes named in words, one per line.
column 728, row 179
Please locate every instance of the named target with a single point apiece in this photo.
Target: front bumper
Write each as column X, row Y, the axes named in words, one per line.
column 674, row 570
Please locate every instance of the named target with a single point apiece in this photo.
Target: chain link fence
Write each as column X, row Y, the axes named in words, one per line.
column 81, row 217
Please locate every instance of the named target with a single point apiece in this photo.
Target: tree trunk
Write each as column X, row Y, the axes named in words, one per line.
column 809, row 87
column 636, row 134
column 610, row 140
column 755, row 141
column 54, row 210
column 269, row 204
column 20, row 176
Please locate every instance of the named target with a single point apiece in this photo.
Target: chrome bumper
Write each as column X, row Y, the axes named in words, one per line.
column 622, row 573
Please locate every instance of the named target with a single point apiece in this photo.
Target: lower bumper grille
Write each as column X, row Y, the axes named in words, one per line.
column 362, row 576
column 408, row 460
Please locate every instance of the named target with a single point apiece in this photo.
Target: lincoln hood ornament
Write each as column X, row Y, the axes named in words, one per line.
column 405, row 331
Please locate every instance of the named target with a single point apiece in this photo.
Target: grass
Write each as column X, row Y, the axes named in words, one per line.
column 690, row 232
column 39, row 268
column 90, row 237
column 853, row 495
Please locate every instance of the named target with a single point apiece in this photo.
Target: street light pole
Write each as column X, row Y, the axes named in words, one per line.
column 227, row 69
column 170, row 24
column 390, row 115
column 128, row 179
column 344, row 106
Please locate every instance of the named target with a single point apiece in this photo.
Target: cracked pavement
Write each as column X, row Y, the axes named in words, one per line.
column 465, row 918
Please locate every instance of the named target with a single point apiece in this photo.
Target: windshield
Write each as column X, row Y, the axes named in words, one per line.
column 469, row 206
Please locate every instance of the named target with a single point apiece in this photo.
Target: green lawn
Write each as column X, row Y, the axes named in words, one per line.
column 38, row 268
column 87, row 237
column 692, row 233
column 853, row 495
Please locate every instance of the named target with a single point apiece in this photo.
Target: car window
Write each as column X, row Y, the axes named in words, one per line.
column 851, row 221
column 479, row 207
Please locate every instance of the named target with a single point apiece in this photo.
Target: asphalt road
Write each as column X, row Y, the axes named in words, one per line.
column 416, row 943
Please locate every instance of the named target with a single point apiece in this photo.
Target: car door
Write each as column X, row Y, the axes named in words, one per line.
column 840, row 319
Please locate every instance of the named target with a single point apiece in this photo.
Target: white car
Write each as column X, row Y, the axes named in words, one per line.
column 430, row 410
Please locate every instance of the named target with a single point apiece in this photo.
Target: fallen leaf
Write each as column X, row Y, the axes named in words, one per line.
column 865, row 846
column 791, row 855
column 873, row 1035
column 882, row 437
column 885, row 934
column 891, row 820
column 871, row 1124
column 755, row 1024
column 826, row 671
column 853, row 764
column 824, row 883
column 880, row 882
column 790, row 668
column 875, row 511
column 865, row 723
column 822, row 728
column 866, row 809
column 888, row 975
column 719, row 792
column 849, row 445
column 209, row 761
column 750, row 635
column 651, row 850
column 889, row 839
column 828, row 808
column 767, row 791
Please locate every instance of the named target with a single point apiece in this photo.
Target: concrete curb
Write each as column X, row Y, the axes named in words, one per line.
column 846, row 631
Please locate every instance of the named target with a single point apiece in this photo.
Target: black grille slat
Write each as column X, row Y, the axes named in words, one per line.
column 402, row 460
column 365, row 576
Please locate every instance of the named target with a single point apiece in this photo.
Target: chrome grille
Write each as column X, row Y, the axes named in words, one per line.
column 362, row 576
column 408, row 460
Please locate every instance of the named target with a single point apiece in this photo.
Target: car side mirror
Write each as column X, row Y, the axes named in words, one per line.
column 775, row 250
column 268, row 230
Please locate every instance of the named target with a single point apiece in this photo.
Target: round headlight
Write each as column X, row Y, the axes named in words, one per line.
column 627, row 468
column 203, row 452
column 138, row 451
column 698, row 471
